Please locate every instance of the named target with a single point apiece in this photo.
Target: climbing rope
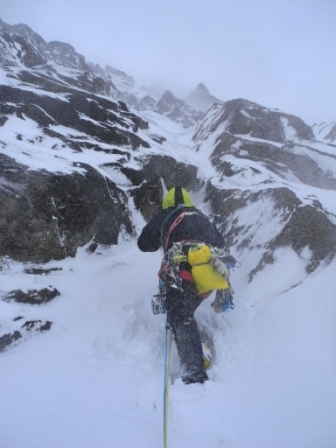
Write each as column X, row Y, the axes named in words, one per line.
column 168, row 343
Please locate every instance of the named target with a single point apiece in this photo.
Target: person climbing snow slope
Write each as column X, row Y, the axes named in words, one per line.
column 190, row 271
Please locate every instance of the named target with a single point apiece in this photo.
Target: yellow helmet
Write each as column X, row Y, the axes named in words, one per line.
column 176, row 196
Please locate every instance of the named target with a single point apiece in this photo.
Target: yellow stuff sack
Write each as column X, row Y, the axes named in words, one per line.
column 204, row 274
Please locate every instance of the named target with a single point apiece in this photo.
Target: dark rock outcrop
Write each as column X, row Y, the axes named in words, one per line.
column 281, row 215
column 243, row 117
column 48, row 216
column 32, row 297
column 8, row 338
column 104, row 120
column 156, row 171
column 23, row 332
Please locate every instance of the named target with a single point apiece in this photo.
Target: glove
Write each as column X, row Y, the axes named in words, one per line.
column 230, row 261
column 220, row 266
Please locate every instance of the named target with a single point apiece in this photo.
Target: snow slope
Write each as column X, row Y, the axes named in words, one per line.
column 96, row 379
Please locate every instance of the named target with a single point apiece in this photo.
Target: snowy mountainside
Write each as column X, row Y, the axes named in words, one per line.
column 325, row 131
column 167, row 105
column 59, row 132
column 80, row 174
column 22, row 48
column 270, row 165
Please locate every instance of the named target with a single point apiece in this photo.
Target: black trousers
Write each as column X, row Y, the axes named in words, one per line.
column 181, row 307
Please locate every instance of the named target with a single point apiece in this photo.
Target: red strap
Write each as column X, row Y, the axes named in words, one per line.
column 186, row 275
column 175, row 223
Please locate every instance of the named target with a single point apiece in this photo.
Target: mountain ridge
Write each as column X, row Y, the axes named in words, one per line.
column 73, row 115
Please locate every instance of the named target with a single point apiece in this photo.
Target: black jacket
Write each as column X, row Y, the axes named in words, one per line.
column 194, row 226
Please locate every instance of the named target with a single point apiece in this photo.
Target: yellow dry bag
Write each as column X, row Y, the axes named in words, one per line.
column 204, row 274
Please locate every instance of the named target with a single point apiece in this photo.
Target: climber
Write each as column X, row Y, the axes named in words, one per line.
column 179, row 222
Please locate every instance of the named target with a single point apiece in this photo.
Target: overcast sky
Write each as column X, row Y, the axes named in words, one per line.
column 278, row 53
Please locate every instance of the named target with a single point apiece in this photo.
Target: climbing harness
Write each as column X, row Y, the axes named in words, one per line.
column 175, row 268
column 168, row 343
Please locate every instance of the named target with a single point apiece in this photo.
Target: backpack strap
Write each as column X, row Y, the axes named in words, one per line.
column 174, row 224
column 164, row 222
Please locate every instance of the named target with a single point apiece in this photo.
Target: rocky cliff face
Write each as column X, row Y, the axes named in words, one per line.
column 272, row 157
column 51, row 103
column 55, row 62
column 58, row 109
column 47, row 216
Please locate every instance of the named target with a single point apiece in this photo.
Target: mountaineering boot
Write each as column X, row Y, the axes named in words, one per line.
column 193, row 374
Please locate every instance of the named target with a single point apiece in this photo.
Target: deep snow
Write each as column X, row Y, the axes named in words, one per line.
column 96, row 379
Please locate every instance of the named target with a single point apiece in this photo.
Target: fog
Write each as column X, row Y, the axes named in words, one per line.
column 278, row 54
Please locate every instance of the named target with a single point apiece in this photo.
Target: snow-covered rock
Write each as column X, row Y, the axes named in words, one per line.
column 325, row 131
column 266, row 160
column 169, row 106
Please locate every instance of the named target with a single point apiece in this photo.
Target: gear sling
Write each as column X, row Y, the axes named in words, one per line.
column 192, row 260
